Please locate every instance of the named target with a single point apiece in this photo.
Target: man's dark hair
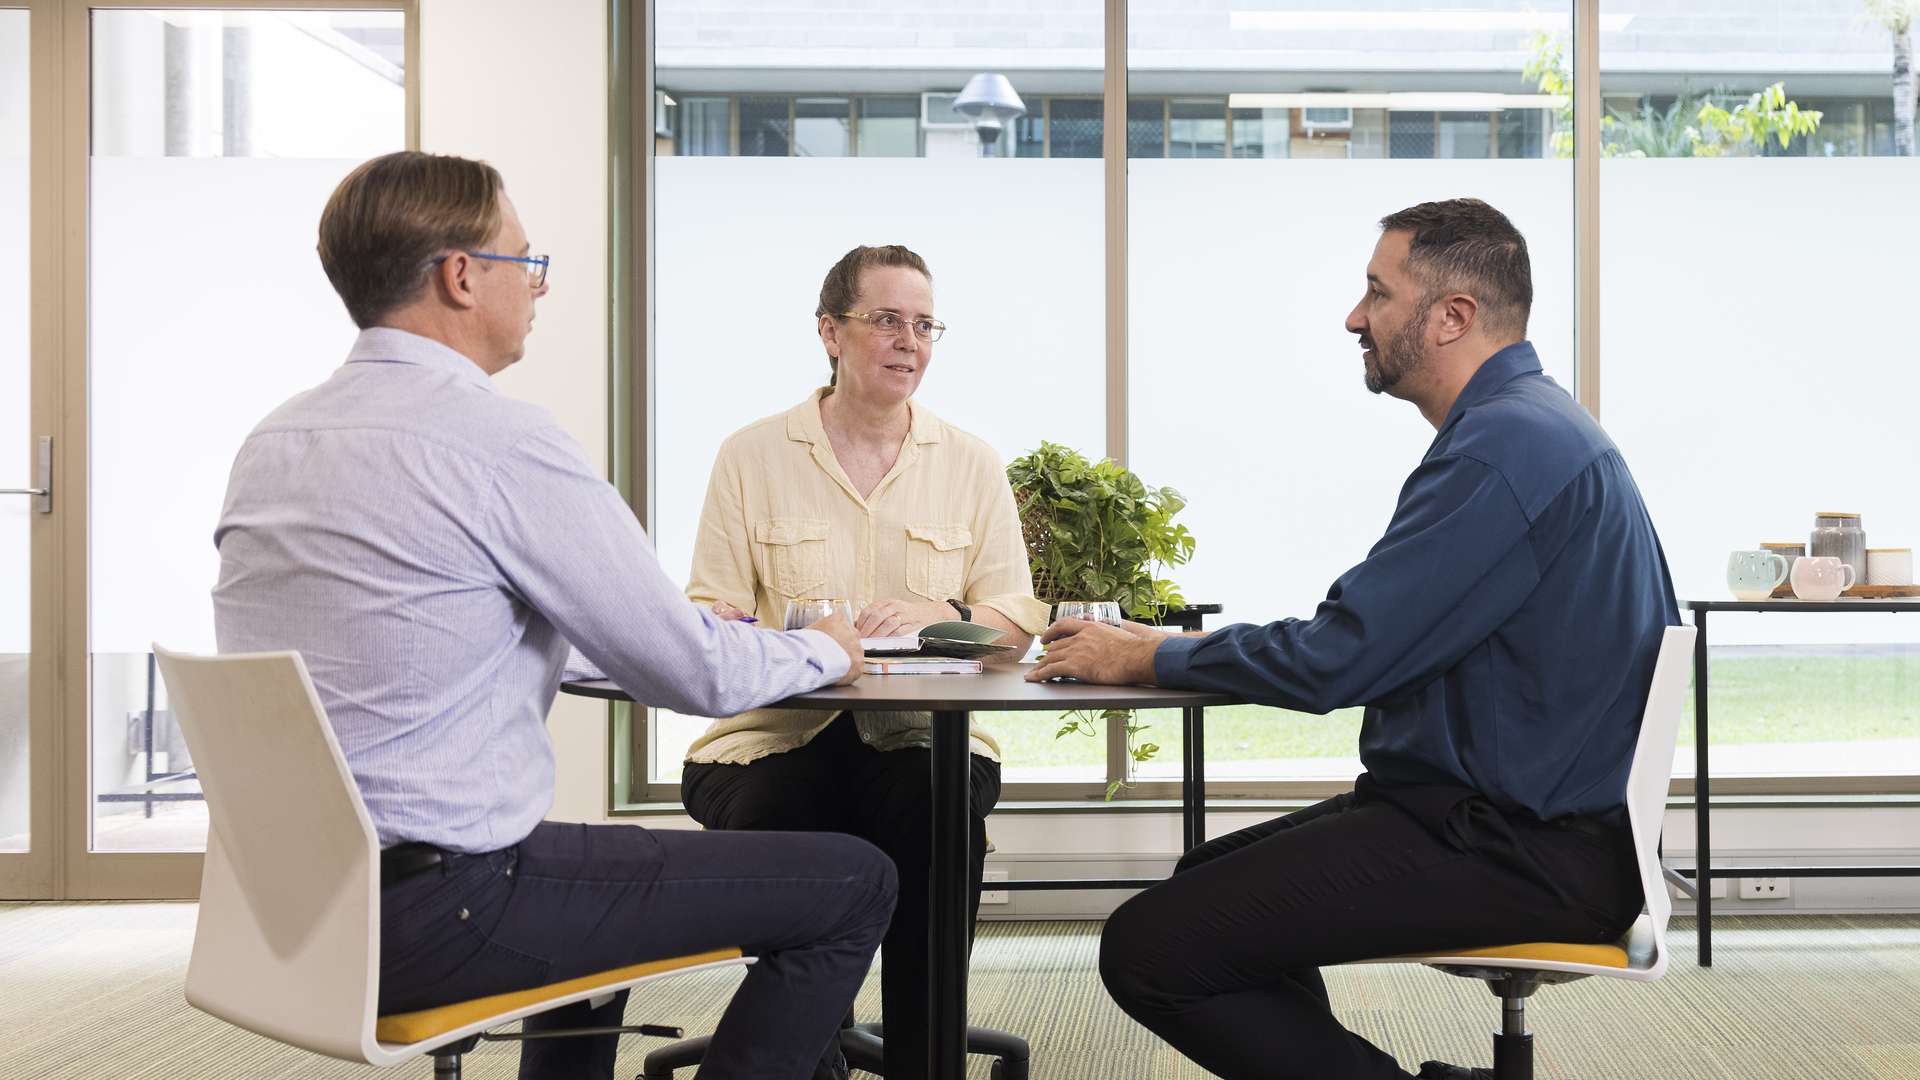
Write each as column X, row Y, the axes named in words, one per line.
column 1466, row 246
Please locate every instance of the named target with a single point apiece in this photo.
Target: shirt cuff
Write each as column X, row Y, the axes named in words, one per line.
column 1171, row 661
column 833, row 659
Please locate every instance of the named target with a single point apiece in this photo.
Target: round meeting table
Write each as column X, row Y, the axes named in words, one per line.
column 952, row 699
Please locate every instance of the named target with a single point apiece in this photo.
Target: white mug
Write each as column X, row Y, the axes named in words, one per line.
column 1889, row 566
column 1821, row 577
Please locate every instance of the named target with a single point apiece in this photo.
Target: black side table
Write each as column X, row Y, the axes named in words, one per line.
column 1704, row 871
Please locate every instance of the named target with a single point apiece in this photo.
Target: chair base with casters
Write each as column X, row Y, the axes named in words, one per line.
column 1514, row 972
column 861, row 1045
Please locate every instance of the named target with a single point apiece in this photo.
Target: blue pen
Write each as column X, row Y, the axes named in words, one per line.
column 748, row 618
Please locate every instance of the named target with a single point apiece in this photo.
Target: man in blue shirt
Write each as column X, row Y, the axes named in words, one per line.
column 1502, row 636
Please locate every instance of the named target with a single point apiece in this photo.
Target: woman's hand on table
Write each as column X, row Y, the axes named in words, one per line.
column 1097, row 653
column 728, row 613
column 886, row 618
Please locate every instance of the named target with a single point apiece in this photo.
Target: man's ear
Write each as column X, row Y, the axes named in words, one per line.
column 1458, row 313
column 453, row 277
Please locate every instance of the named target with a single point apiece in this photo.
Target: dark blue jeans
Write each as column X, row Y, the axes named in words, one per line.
column 571, row 900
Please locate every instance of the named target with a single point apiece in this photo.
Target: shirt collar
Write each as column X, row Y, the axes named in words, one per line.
column 803, row 422
column 1499, row 369
column 386, row 345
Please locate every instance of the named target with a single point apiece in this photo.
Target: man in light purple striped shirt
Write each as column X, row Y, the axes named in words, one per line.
column 432, row 548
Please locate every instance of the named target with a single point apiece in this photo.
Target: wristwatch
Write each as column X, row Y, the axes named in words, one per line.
column 966, row 613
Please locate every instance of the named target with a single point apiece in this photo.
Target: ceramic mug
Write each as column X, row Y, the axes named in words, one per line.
column 1821, row 577
column 1889, row 566
column 1753, row 575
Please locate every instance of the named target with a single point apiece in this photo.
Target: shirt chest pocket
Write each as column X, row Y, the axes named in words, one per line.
column 793, row 554
column 937, row 560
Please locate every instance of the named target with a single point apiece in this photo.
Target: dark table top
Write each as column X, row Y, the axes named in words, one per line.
column 1000, row 689
column 1804, row 605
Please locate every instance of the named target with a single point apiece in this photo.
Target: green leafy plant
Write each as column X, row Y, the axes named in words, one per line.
column 1717, row 124
column 1095, row 531
column 1088, row 722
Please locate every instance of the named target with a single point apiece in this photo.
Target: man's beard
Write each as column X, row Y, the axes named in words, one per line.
column 1400, row 353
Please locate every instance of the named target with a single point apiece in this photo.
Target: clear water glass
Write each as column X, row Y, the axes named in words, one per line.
column 807, row 610
column 1099, row 611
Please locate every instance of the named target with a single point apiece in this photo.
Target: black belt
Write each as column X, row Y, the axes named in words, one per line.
column 402, row 861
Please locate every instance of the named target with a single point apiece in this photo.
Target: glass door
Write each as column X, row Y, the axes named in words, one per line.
column 213, row 138
column 25, row 836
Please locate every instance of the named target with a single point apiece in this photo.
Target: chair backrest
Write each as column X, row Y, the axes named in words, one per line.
column 288, row 939
column 1652, row 771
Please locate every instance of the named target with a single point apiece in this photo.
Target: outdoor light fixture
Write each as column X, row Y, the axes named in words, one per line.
column 991, row 102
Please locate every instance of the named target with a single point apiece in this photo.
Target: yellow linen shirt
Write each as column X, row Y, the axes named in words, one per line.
column 782, row 520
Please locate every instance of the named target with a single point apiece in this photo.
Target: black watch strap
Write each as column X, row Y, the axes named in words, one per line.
column 966, row 613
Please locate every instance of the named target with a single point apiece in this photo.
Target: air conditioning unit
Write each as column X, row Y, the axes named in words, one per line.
column 1317, row 120
column 938, row 114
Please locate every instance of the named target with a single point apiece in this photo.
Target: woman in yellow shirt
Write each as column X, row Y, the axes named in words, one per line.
column 860, row 492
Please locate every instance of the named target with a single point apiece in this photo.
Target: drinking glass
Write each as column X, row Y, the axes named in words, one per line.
column 808, row 610
column 1100, row 611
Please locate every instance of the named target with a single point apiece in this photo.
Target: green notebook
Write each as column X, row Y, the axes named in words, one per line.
column 958, row 639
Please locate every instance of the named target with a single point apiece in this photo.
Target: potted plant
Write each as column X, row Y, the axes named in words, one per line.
column 1096, row 531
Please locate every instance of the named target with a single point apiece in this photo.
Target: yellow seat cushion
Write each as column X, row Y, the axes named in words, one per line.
column 420, row 1026
column 1555, row 952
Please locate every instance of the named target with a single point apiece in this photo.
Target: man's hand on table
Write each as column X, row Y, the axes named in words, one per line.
column 1098, row 653
column 842, row 632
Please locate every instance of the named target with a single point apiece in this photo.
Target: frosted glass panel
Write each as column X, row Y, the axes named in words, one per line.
column 1247, row 393
column 16, row 437
column 1015, row 248
column 1754, row 376
column 204, row 317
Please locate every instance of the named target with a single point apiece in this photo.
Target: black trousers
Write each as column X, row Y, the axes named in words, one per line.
column 836, row 782
column 1221, row 960
column 571, row 900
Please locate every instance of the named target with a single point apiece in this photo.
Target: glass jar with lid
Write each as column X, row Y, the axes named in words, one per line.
column 1841, row 536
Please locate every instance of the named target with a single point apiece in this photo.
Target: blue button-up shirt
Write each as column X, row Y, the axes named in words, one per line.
column 430, row 547
column 1502, row 634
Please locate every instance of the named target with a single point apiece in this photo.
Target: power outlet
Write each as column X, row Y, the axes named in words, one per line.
column 1765, row 888
column 994, row 896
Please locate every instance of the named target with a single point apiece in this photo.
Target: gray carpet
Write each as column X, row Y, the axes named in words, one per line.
column 93, row 990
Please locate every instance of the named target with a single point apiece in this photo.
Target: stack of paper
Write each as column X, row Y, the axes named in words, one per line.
column 922, row 665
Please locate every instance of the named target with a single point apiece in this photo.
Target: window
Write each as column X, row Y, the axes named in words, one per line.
column 765, row 126
column 226, row 119
column 16, row 512
column 889, row 127
column 1241, row 273
column 822, row 127
column 1023, row 359
column 704, row 127
column 1724, row 262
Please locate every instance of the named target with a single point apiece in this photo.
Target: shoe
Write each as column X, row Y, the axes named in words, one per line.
column 1440, row 1070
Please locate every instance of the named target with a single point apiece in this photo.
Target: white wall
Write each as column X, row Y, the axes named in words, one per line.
column 525, row 88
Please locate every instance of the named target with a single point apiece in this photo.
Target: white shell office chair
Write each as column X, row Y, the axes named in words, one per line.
column 1514, row 972
column 288, row 940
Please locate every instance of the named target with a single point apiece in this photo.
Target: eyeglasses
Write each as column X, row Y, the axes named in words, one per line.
column 536, row 264
column 889, row 322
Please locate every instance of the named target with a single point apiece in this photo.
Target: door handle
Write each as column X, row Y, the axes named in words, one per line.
column 45, row 468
